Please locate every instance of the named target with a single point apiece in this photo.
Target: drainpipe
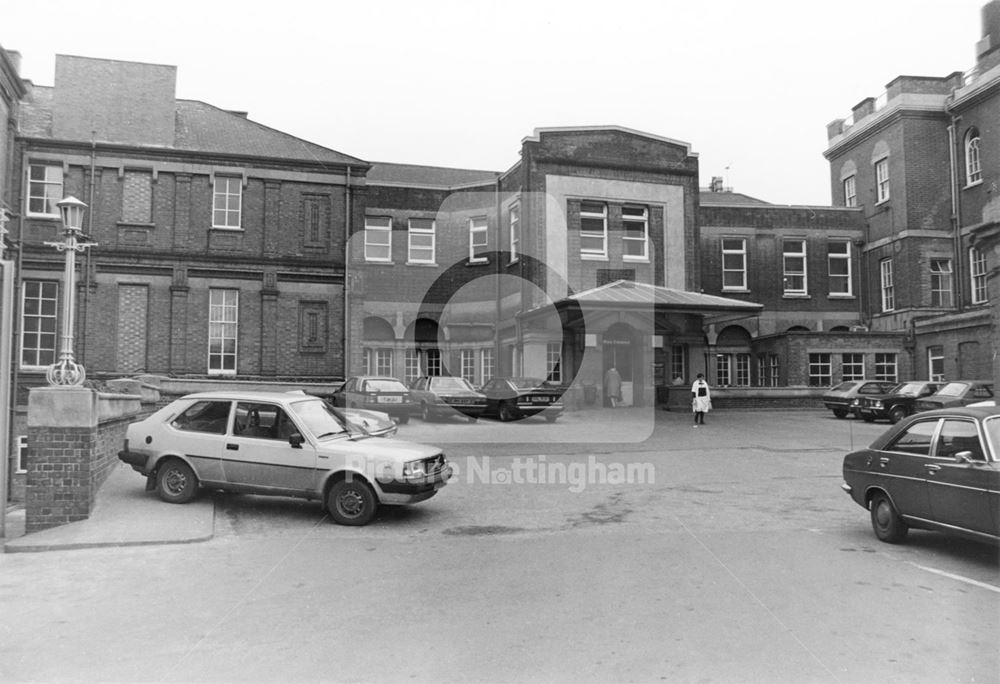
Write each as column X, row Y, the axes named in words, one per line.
column 498, row 310
column 82, row 344
column 956, row 212
column 347, row 261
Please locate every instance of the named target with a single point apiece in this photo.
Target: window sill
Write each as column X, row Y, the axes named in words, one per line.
column 43, row 217
column 635, row 260
column 881, row 202
column 380, row 262
column 841, row 296
column 228, row 229
column 795, row 295
column 135, row 224
column 428, row 264
column 593, row 257
column 973, row 184
column 477, row 262
column 736, row 290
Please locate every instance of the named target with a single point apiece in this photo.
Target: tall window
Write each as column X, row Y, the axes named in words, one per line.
column 421, row 241
column 742, row 370
column 973, row 168
column 378, row 361
column 478, row 240
column 45, row 188
column 137, row 197
column 593, row 230
column 773, row 375
column 850, row 192
column 515, row 232
column 469, row 365
column 553, row 362
column 411, row 366
column 977, row 271
column 935, row 363
column 839, row 265
column 886, row 367
column 882, row 180
column 678, row 362
column 635, row 233
column 794, row 260
column 378, row 238
column 433, row 362
column 38, row 323
column 941, row 283
column 734, row 264
column 223, row 322
column 487, row 366
column 723, row 369
column 228, row 199
column 852, row 366
column 820, row 370
column 888, row 291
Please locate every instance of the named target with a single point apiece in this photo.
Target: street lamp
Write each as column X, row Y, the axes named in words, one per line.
column 66, row 372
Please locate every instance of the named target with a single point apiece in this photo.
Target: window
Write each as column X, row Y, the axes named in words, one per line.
column 486, row 365
column 262, row 421
column 553, row 362
column 378, row 361
column 593, row 230
column 137, row 197
column 38, row 323
column 204, row 416
column 21, row 457
column 941, row 285
column 515, row 232
column 678, row 362
column 228, row 198
column 723, row 369
column 850, row 192
column 222, row 327
column 378, row 238
column 935, row 363
column 916, row 439
column 478, row 240
column 852, row 366
column 794, row 260
column 421, row 241
column 839, row 265
column 957, row 435
column 45, row 189
column 635, row 233
column 820, row 370
column 734, row 264
column 468, row 359
column 886, row 367
column 742, row 370
column 973, row 168
column 433, row 362
column 977, row 271
column 772, row 371
column 888, row 291
column 411, row 366
column 882, row 180
column 315, row 228
column 732, row 370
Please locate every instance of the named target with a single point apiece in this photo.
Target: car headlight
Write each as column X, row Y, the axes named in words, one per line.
column 413, row 469
column 856, row 402
column 878, row 404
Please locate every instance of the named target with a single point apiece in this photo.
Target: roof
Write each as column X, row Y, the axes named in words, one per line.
column 627, row 292
column 707, row 197
column 200, row 127
column 415, row 175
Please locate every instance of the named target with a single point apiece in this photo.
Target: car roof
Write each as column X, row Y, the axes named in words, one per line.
column 250, row 395
column 974, row 411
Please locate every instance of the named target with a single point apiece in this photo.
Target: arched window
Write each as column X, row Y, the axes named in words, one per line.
column 973, row 169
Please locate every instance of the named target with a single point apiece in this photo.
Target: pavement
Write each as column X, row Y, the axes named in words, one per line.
column 124, row 514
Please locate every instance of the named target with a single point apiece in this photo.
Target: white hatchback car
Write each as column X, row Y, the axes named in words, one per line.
column 286, row 444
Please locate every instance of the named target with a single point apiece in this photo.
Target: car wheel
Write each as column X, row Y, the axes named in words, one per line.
column 886, row 523
column 868, row 419
column 897, row 414
column 176, row 482
column 425, row 413
column 351, row 502
column 840, row 413
column 506, row 412
column 404, row 418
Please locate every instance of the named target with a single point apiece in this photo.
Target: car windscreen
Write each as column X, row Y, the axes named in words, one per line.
column 319, row 418
column 909, row 389
column 844, row 386
column 992, row 426
column 443, row 383
column 953, row 389
column 384, row 386
column 526, row 383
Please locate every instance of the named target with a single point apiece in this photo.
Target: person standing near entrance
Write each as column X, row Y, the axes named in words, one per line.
column 701, row 399
column 613, row 386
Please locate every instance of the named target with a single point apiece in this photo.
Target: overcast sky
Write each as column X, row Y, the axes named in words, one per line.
column 750, row 85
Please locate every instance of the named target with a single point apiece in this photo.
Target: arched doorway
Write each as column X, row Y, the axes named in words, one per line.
column 378, row 343
column 422, row 356
column 619, row 352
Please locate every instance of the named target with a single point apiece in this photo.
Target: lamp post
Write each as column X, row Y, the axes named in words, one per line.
column 66, row 372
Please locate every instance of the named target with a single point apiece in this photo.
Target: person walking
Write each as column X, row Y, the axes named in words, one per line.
column 701, row 399
column 613, row 386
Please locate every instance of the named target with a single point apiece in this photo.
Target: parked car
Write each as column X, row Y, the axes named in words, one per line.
column 936, row 470
column 442, row 396
column 377, row 393
column 845, row 398
column 957, row 393
column 897, row 404
column 515, row 398
column 287, row 444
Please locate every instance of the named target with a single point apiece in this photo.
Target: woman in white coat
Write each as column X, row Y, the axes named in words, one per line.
column 701, row 399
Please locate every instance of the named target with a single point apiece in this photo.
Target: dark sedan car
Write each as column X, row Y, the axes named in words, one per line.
column 897, row 404
column 375, row 393
column 514, row 398
column 957, row 393
column 936, row 470
column 442, row 396
column 845, row 398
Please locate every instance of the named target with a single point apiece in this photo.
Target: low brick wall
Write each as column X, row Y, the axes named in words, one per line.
column 74, row 435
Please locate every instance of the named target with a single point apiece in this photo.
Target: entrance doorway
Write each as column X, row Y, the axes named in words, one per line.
column 619, row 353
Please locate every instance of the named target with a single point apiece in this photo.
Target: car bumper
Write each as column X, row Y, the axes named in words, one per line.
column 416, row 487
column 136, row 460
column 471, row 410
column 403, row 409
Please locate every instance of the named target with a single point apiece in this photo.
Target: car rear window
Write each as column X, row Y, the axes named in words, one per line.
column 844, row 386
column 384, row 386
column 204, row 416
column 952, row 389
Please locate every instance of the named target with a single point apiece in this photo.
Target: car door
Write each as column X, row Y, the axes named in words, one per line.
column 901, row 468
column 959, row 490
column 199, row 433
column 341, row 396
column 258, row 455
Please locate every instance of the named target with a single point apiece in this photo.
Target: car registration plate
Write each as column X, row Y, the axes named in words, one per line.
column 541, row 400
column 390, row 400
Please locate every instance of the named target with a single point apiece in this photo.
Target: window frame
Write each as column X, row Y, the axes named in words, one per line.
column 855, row 361
column 788, row 274
column 223, row 306
column 820, row 369
column 413, row 231
column 467, row 365
column 372, row 229
column 553, row 362
column 479, row 239
column 627, row 240
column 845, row 258
column 514, row 231
column 941, row 282
column 411, row 366
column 592, row 253
column 973, row 161
column 935, row 357
column 42, row 297
column 851, row 191
column 882, row 180
column 887, row 289
column 222, row 189
column 883, row 362
column 487, row 365
column 49, row 202
column 742, row 270
column 978, row 276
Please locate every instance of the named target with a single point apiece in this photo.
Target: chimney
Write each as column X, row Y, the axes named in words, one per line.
column 991, row 30
column 716, row 185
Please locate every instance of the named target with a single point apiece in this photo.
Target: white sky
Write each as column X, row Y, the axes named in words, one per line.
column 750, row 85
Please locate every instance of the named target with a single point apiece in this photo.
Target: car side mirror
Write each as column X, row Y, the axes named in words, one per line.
column 964, row 457
column 296, row 440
